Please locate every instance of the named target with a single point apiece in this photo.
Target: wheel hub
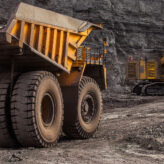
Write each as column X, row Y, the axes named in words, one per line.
column 47, row 110
column 87, row 108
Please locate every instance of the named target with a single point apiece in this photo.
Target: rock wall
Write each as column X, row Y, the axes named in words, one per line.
column 133, row 27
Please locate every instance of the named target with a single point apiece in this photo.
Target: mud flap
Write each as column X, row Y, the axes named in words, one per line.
column 69, row 85
column 70, row 97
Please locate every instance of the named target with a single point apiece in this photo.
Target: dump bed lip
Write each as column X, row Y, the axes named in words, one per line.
column 32, row 13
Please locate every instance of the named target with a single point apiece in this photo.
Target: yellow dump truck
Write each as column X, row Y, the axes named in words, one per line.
column 150, row 76
column 49, row 82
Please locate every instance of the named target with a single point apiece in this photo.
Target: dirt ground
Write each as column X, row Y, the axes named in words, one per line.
column 131, row 131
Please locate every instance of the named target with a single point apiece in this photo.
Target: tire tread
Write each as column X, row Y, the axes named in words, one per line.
column 23, row 106
column 7, row 138
column 75, row 130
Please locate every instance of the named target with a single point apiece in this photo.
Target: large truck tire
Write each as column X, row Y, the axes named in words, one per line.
column 7, row 138
column 37, row 109
column 89, row 110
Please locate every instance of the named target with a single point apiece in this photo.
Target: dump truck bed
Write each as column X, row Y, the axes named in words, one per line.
column 36, row 38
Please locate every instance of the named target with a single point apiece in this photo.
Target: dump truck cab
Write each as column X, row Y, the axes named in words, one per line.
column 50, row 81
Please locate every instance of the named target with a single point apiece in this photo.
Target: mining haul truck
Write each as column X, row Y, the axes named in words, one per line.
column 49, row 82
column 150, row 75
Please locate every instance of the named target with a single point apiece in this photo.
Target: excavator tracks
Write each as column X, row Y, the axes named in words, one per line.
column 149, row 89
column 154, row 89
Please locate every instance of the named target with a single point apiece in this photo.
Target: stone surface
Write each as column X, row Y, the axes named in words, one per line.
column 133, row 27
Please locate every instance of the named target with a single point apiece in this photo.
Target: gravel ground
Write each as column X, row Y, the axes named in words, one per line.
column 130, row 134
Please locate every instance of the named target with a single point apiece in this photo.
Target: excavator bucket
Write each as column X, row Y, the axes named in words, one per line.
column 49, row 35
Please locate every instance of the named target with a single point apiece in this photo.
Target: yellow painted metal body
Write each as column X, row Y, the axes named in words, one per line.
column 142, row 70
column 55, row 43
column 151, row 70
column 51, row 41
column 132, row 71
column 162, row 67
column 83, row 58
column 93, row 65
column 57, row 40
column 105, row 79
column 96, row 72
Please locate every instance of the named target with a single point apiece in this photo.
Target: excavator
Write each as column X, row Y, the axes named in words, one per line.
column 149, row 74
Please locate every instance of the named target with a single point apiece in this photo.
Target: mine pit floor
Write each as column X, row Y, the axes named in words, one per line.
column 131, row 131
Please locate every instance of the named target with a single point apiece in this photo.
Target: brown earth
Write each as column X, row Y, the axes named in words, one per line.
column 133, row 133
